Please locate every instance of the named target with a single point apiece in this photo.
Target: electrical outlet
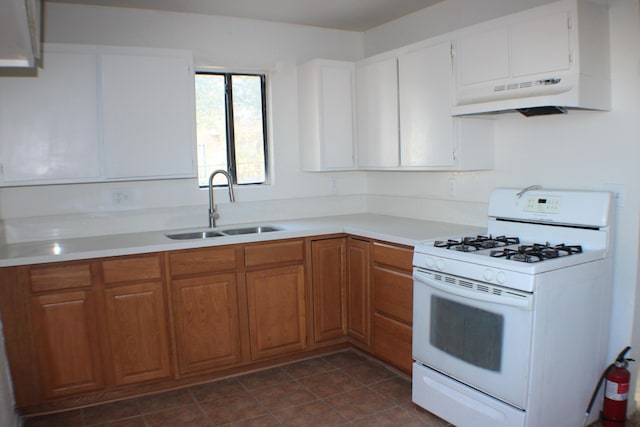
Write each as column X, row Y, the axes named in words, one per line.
column 451, row 187
column 121, row 197
column 618, row 191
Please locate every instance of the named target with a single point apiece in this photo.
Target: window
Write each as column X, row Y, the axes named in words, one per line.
column 231, row 127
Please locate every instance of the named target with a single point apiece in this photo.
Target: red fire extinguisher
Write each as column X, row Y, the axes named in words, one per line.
column 616, row 393
column 614, row 409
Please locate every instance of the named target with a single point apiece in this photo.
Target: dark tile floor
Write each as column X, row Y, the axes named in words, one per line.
column 342, row 389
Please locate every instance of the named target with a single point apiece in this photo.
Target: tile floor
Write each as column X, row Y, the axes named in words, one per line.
column 342, row 389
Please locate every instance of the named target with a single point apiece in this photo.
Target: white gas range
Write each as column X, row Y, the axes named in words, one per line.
column 511, row 328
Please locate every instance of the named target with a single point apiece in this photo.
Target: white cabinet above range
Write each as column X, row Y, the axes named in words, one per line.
column 98, row 113
column 553, row 55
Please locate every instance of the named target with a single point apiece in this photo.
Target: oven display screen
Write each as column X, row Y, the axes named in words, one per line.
column 468, row 333
column 547, row 204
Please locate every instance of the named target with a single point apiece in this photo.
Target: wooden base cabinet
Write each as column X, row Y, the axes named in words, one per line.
column 205, row 298
column 84, row 332
column 392, row 303
column 359, row 292
column 207, row 323
column 329, row 289
column 66, row 340
column 276, row 298
column 276, row 303
column 137, row 324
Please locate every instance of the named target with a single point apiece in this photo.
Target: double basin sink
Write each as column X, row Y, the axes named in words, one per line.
column 206, row 234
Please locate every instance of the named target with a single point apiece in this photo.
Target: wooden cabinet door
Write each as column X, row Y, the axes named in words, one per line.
column 329, row 288
column 207, row 324
column 276, row 303
column 392, row 284
column 66, row 340
column 358, row 291
column 137, row 325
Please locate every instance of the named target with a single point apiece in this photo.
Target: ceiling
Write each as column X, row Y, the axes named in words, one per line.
column 351, row 15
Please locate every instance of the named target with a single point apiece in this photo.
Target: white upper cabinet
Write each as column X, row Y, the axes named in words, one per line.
column 377, row 112
column 98, row 113
column 148, row 115
column 49, row 123
column 426, row 94
column 326, row 105
column 404, row 114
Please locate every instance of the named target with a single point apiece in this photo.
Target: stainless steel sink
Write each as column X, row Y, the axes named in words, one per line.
column 251, row 230
column 195, row 235
column 206, row 234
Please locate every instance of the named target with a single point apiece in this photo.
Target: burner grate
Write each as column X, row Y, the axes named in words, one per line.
column 537, row 252
column 476, row 243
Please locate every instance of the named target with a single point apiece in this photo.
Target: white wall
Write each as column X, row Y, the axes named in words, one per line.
column 582, row 150
column 36, row 213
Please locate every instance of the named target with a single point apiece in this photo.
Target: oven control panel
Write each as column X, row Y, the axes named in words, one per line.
column 542, row 204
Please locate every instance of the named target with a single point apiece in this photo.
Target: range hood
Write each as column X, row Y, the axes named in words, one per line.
column 20, row 23
column 545, row 60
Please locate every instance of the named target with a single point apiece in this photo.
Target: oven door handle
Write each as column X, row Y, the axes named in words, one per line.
column 505, row 297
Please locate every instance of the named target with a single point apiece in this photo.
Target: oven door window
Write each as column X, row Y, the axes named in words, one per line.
column 467, row 332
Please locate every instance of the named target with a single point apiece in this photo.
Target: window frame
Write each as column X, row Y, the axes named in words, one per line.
column 230, row 133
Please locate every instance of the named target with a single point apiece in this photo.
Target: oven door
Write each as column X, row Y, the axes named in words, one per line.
column 474, row 332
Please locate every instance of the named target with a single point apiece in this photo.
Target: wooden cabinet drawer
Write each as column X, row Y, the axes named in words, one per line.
column 202, row 261
column 130, row 269
column 395, row 256
column 274, row 253
column 392, row 342
column 393, row 294
column 60, row 277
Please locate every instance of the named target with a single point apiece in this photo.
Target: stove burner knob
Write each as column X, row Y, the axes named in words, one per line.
column 430, row 262
column 440, row 264
column 501, row 277
column 488, row 275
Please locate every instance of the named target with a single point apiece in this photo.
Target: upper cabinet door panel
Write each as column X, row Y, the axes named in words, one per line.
column 326, row 112
column 540, row 45
column 49, row 123
column 426, row 94
column 484, row 56
column 148, row 115
column 377, row 112
column 337, row 114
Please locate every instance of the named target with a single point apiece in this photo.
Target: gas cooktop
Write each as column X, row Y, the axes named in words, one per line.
column 509, row 248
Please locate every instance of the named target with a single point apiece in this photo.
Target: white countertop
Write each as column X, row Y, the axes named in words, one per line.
column 392, row 229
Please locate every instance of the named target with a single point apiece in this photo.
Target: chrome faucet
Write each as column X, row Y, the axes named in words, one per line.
column 213, row 214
